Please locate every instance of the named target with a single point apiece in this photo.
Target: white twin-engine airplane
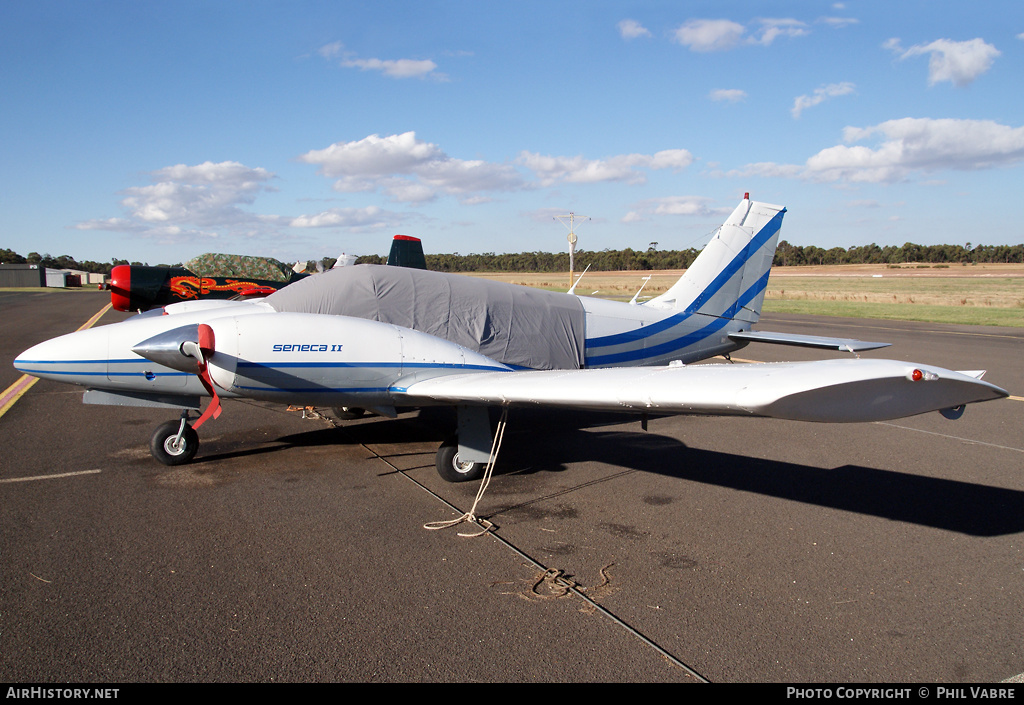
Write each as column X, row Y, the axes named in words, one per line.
column 384, row 338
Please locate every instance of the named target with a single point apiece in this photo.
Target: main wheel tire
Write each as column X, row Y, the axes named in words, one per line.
column 451, row 469
column 347, row 413
column 164, row 449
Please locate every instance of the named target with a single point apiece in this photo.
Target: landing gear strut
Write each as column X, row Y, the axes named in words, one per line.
column 174, row 442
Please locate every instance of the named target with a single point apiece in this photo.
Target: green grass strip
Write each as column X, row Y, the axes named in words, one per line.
column 961, row 315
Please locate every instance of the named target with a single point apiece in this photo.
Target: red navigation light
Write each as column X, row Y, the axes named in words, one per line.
column 916, row 375
column 746, row 196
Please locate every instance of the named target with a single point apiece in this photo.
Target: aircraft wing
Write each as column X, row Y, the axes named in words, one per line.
column 806, row 341
column 847, row 390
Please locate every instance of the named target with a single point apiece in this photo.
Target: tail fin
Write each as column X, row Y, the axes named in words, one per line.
column 729, row 277
column 407, row 251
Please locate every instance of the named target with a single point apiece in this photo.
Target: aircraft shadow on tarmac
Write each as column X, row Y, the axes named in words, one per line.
column 549, row 442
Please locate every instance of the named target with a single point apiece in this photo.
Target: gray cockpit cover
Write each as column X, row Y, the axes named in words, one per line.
column 515, row 325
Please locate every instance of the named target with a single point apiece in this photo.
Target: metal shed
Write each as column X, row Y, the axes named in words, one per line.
column 22, row 275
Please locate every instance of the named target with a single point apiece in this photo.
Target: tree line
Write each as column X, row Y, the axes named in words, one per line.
column 625, row 260
column 786, row 254
column 62, row 262
column 909, row 253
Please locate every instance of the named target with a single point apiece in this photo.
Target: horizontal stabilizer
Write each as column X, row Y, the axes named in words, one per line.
column 842, row 390
column 806, row 341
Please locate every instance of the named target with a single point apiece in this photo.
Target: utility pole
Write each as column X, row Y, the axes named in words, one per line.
column 572, row 218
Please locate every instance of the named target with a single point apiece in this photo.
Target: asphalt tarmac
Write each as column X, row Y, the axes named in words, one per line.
column 717, row 549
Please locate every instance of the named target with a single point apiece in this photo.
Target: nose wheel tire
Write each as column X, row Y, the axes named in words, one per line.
column 451, row 469
column 169, row 449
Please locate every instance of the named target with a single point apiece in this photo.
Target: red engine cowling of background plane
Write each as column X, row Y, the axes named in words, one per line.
column 140, row 288
column 121, row 287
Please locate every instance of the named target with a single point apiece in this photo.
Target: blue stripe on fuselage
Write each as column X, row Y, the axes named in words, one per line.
column 385, row 365
column 738, row 262
column 685, row 341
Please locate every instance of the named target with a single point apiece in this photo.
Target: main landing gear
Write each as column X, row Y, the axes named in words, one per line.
column 174, row 442
column 451, row 469
column 464, row 456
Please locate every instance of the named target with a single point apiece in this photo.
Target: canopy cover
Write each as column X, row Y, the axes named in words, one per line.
column 515, row 325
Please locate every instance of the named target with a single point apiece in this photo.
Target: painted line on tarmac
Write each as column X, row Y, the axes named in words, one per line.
column 14, row 392
column 92, row 321
column 954, row 438
column 49, row 477
column 25, row 382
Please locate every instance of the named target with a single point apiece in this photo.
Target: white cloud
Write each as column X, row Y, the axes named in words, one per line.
column 374, row 156
column 191, row 200
column 765, row 170
column 623, row 167
column 394, row 68
column 206, row 194
column 205, row 201
column 905, row 147
column 709, row 35
column 631, row 29
column 356, row 219
column 409, row 169
column 728, row 95
column 772, row 29
column 839, row 22
column 820, row 95
column 957, row 62
column 331, row 50
column 722, row 35
column 108, row 224
column 923, row 145
column 670, row 205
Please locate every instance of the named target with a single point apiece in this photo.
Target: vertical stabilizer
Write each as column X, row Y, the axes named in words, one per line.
column 407, row 252
column 729, row 277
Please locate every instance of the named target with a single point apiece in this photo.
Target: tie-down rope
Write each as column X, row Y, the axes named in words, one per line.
column 470, row 516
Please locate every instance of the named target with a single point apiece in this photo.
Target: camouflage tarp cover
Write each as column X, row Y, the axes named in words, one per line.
column 244, row 266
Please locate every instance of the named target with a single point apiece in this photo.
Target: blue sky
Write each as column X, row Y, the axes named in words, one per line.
column 156, row 131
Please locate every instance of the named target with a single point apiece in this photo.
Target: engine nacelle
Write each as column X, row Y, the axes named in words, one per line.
column 330, row 360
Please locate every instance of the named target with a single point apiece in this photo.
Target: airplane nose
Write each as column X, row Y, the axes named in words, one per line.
column 77, row 358
column 39, row 360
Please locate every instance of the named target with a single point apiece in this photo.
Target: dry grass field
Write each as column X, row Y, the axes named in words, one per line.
column 980, row 294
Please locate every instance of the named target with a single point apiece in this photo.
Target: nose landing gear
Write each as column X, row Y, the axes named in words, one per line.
column 174, row 442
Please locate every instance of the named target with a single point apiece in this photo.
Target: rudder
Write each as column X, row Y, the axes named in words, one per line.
column 729, row 277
